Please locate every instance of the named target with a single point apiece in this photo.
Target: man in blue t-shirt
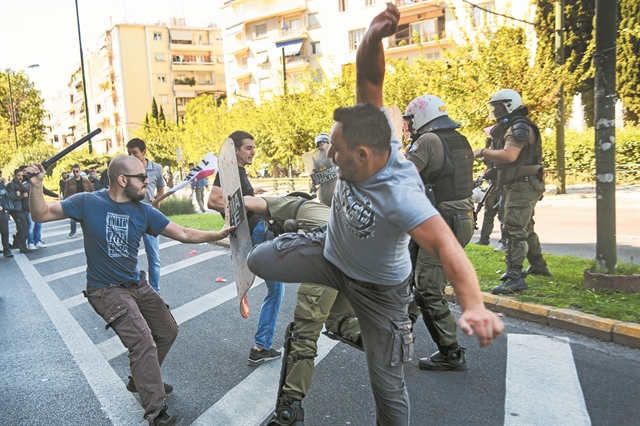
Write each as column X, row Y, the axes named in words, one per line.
column 378, row 204
column 113, row 222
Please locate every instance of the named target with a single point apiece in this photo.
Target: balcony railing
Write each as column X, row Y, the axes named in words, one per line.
column 290, row 32
column 192, row 59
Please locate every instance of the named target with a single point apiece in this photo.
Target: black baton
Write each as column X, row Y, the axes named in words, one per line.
column 49, row 161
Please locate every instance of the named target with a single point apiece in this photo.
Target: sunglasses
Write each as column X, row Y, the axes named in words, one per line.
column 76, row 171
column 141, row 176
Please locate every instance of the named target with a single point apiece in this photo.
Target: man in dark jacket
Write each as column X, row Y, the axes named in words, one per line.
column 4, row 219
column 75, row 185
column 19, row 216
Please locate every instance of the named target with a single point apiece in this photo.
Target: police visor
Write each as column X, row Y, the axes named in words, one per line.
column 497, row 110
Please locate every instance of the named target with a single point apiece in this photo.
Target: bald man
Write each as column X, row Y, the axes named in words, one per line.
column 113, row 222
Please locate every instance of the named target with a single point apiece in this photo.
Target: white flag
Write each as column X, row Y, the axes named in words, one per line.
column 207, row 167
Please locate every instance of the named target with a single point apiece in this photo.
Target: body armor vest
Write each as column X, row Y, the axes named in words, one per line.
column 530, row 155
column 455, row 180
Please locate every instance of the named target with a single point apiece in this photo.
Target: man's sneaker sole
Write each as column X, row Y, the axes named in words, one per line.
column 257, row 362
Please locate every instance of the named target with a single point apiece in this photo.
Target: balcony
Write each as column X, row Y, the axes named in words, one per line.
column 402, row 4
column 180, row 46
column 237, row 47
column 290, row 34
column 238, row 11
column 239, row 73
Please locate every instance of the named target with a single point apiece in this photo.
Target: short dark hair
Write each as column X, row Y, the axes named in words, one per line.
column 75, row 166
column 239, row 136
column 191, row 164
column 364, row 124
column 16, row 171
column 137, row 143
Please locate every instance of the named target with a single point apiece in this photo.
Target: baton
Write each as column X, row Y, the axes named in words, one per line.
column 49, row 161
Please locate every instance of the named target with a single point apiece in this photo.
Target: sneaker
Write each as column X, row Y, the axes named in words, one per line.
column 453, row 361
column 40, row 244
column 510, row 286
column 8, row 254
column 32, row 247
column 71, row 234
column 538, row 269
column 501, row 247
column 164, row 419
column 131, row 387
column 259, row 356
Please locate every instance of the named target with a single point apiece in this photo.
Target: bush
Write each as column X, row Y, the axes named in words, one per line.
column 175, row 205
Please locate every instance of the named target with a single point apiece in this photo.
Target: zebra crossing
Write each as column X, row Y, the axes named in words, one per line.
column 536, row 391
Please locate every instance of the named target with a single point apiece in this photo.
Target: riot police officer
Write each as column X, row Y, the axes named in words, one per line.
column 444, row 160
column 517, row 153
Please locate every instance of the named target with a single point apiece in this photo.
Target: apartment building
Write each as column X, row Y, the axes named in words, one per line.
column 324, row 34
column 134, row 64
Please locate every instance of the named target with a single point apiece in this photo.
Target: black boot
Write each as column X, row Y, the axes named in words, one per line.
column 538, row 268
column 289, row 412
column 454, row 360
column 514, row 282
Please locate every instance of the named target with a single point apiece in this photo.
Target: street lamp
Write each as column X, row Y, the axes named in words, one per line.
column 13, row 116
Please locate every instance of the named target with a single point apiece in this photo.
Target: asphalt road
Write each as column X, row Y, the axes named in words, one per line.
column 59, row 366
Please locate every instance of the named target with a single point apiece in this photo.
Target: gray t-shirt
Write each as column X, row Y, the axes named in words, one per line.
column 155, row 180
column 367, row 236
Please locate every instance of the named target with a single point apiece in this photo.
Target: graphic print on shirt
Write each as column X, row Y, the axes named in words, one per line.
column 117, row 232
column 354, row 210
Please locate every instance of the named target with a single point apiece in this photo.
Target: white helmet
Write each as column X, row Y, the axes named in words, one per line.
column 503, row 103
column 322, row 137
column 425, row 110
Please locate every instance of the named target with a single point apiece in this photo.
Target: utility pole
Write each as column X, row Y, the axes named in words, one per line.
column 12, row 110
column 84, row 82
column 560, row 178
column 284, row 72
column 605, row 145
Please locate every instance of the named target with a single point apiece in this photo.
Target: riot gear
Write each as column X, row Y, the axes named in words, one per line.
column 503, row 103
column 427, row 113
column 321, row 138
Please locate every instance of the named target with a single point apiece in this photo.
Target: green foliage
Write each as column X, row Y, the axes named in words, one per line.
column 176, row 206
column 628, row 58
column 28, row 105
column 80, row 157
column 565, row 289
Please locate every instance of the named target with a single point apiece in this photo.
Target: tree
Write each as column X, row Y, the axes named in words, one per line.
column 29, row 113
column 628, row 58
column 579, row 46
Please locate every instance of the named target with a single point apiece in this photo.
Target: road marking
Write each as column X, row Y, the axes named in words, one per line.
column 120, row 406
column 113, row 347
column 542, row 385
column 164, row 270
column 78, row 251
column 253, row 399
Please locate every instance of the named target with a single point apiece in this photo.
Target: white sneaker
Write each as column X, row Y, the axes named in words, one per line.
column 500, row 247
column 31, row 246
column 40, row 244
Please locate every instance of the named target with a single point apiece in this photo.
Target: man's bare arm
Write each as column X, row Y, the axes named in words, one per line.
column 193, row 236
column 370, row 57
column 435, row 236
column 257, row 205
column 40, row 211
column 507, row 155
column 215, row 201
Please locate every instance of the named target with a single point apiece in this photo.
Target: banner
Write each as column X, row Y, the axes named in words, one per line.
column 205, row 168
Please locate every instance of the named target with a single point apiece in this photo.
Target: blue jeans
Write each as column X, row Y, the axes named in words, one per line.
column 271, row 304
column 35, row 230
column 152, row 247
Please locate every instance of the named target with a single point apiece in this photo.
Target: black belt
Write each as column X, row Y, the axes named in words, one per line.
column 381, row 287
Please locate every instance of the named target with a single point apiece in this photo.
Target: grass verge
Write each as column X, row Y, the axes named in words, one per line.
column 205, row 222
column 565, row 289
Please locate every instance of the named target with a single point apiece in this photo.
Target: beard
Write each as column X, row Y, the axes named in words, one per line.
column 132, row 193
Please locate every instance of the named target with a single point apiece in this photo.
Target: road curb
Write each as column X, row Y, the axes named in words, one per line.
column 623, row 333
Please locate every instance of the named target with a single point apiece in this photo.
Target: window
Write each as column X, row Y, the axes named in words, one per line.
column 313, row 20
column 342, row 5
column 159, row 57
column 157, row 36
column 98, row 108
column 265, row 84
column 435, row 55
column 316, row 48
column 218, row 38
column 262, row 57
column 369, row 2
column 199, row 58
column 261, row 30
column 245, row 88
column 425, row 30
column 164, row 99
column 162, row 79
column 482, row 18
column 244, row 61
column 355, row 37
column 220, row 59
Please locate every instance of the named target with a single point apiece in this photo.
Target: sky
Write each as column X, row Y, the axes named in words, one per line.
column 45, row 32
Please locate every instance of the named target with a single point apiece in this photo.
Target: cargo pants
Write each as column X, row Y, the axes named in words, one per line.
column 145, row 326
column 382, row 312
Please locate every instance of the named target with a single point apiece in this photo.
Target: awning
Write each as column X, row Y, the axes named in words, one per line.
column 180, row 34
column 262, row 57
column 236, row 29
column 291, row 47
